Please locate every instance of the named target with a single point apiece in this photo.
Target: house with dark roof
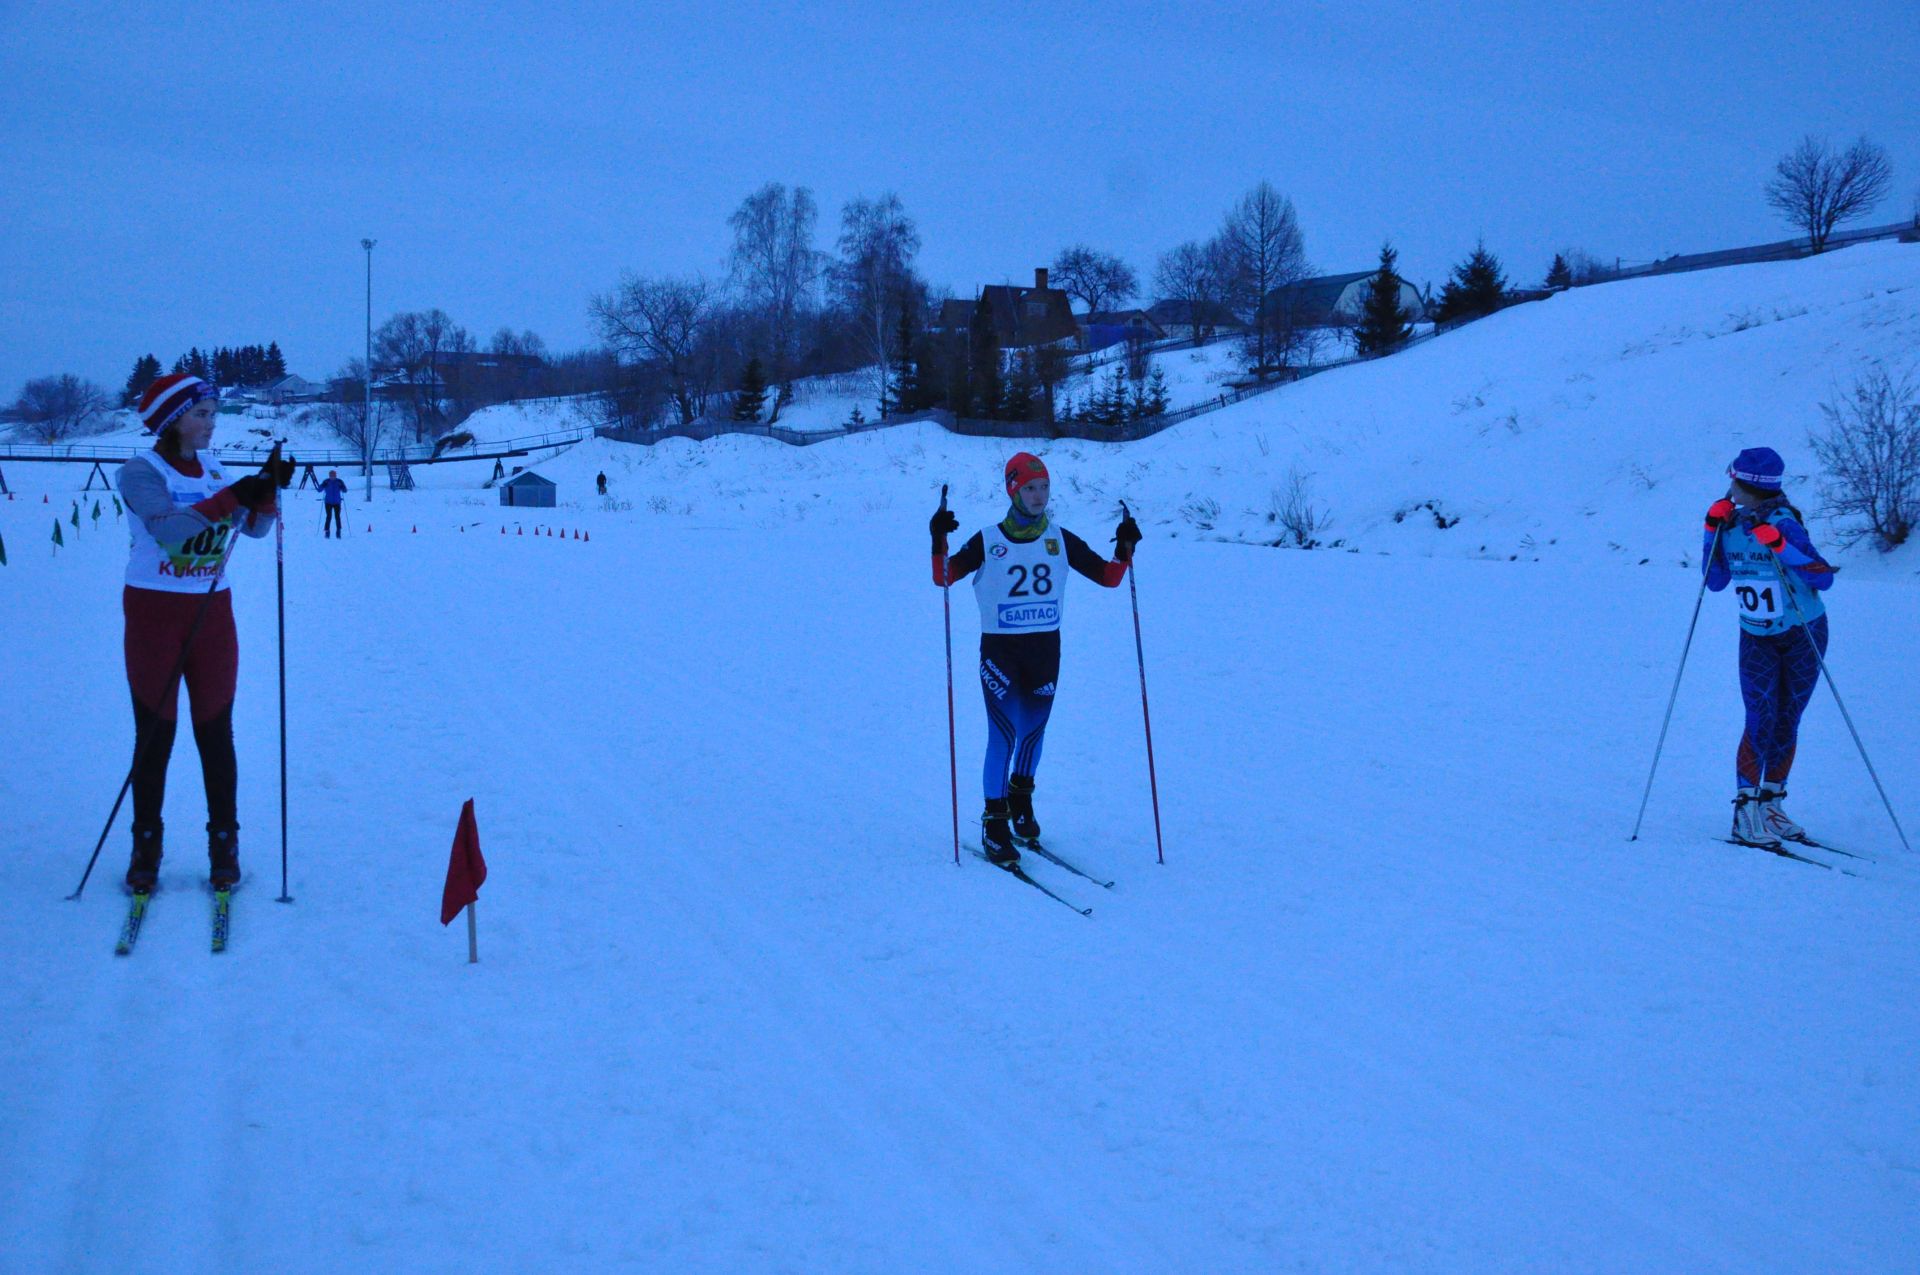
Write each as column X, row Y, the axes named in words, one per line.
column 1172, row 316
column 1335, row 300
column 1102, row 328
column 1022, row 317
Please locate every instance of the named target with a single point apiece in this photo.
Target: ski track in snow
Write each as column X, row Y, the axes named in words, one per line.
column 1403, row 996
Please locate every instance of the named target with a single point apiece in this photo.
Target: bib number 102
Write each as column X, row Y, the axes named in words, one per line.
column 1759, row 602
column 1041, row 579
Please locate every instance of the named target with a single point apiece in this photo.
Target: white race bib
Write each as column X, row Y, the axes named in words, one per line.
column 1021, row 584
column 1758, row 600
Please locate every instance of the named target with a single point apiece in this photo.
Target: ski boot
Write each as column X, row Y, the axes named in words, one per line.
column 1026, row 829
column 223, row 857
column 1775, row 819
column 995, row 838
column 143, row 870
column 1750, row 820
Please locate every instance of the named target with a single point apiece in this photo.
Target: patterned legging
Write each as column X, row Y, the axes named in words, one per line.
column 1778, row 675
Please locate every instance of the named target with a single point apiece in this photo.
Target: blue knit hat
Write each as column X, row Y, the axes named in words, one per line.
column 1759, row 467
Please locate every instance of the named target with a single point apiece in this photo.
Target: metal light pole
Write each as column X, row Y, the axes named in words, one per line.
column 366, row 423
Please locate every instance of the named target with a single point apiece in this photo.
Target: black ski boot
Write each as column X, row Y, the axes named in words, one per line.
column 143, row 870
column 995, row 838
column 1026, row 829
column 223, row 857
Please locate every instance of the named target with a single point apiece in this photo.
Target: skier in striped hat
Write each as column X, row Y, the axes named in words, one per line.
column 1019, row 575
column 185, row 511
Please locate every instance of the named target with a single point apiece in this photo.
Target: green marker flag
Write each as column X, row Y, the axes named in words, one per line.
column 116, row 506
column 58, row 542
column 76, row 515
column 96, row 513
column 3, row 551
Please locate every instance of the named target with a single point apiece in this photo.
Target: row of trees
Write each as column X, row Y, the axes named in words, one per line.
column 224, row 366
column 796, row 309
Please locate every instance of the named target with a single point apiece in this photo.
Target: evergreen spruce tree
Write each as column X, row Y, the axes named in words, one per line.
column 276, row 362
column 1157, row 396
column 1560, row 274
column 146, row 370
column 983, row 364
column 1383, row 325
column 1476, row 289
column 751, row 399
column 856, row 418
column 906, row 369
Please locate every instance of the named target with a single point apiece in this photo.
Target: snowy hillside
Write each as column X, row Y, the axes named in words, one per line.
column 1403, row 996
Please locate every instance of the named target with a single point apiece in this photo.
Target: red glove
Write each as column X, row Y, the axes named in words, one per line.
column 1769, row 535
column 1720, row 515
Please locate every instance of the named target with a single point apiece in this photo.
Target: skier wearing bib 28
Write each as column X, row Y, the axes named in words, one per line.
column 185, row 513
column 1019, row 569
column 1783, row 633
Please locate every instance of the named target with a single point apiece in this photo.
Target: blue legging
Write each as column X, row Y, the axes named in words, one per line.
column 1017, row 674
column 1778, row 674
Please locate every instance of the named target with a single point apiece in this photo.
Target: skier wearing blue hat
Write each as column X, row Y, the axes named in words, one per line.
column 1755, row 540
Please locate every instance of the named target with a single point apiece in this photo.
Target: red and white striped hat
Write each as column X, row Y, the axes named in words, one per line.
column 169, row 396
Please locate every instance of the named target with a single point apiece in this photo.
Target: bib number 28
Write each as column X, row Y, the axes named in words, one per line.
column 1041, row 581
column 1759, row 602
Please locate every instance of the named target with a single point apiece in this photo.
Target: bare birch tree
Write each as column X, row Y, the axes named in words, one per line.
column 666, row 324
column 776, row 271
column 1100, row 280
column 1190, row 275
column 1816, row 188
column 875, row 282
column 51, row 408
column 1263, row 251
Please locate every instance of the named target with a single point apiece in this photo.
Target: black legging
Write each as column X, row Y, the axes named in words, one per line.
column 332, row 522
column 153, row 747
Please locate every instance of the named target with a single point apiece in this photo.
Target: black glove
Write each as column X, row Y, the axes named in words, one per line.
column 255, row 491
column 942, row 524
column 1125, row 537
column 276, row 471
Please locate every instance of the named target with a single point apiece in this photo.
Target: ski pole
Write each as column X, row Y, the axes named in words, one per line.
column 280, row 602
column 173, row 688
column 953, row 757
column 1146, row 718
column 1675, row 696
column 1787, row 588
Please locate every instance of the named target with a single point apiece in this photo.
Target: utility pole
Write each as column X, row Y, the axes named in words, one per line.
column 366, row 424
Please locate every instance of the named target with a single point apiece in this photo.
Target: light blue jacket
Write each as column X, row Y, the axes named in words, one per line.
column 1765, row 607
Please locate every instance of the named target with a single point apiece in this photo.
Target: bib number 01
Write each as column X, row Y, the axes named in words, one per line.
column 1041, row 579
column 1758, row 602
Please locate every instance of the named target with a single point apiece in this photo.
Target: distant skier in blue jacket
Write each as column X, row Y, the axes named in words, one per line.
column 1755, row 541
column 333, row 491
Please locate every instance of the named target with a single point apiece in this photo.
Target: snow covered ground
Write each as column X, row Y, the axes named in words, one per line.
column 1403, row 997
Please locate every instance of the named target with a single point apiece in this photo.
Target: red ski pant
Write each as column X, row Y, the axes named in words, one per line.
column 157, row 627
column 156, row 636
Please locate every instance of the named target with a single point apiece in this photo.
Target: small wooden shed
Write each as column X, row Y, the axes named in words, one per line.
column 529, row 491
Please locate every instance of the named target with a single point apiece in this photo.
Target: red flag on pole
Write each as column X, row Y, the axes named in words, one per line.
column 466, row 870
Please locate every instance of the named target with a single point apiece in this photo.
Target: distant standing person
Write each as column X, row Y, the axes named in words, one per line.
column 1019, row 575
column 332, row 491
column 185, row 513
column 1783, row 633
column 602, row 481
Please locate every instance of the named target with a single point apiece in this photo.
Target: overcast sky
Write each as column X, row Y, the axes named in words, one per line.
column 167, row 185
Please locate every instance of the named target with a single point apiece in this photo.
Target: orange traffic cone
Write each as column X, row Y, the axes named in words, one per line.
column 416, row 528
column 576, row 533
column 588, row 536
